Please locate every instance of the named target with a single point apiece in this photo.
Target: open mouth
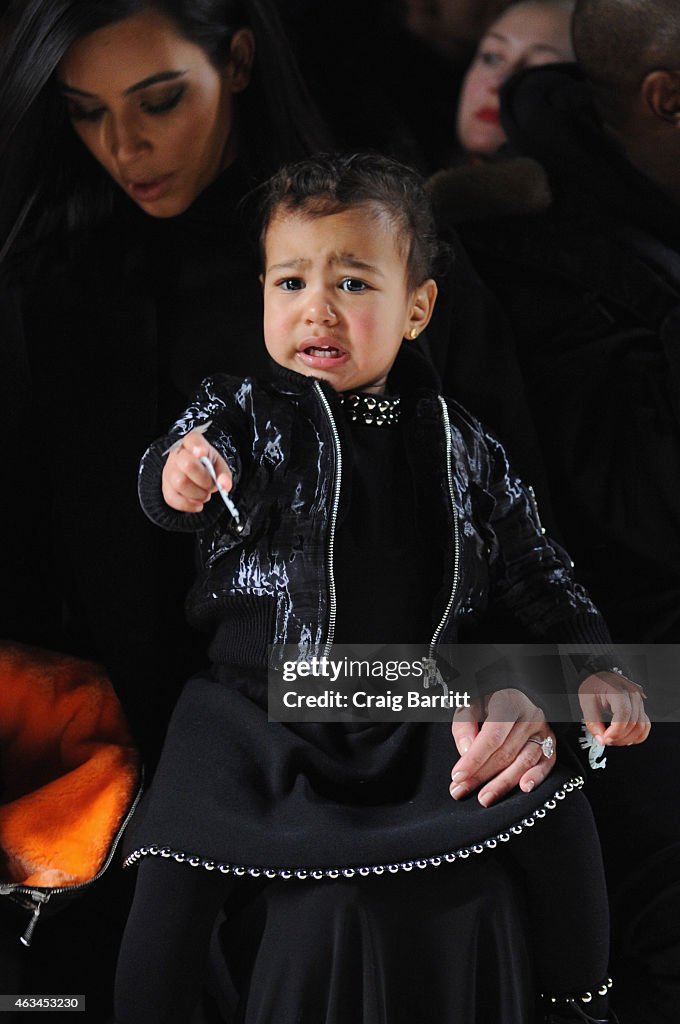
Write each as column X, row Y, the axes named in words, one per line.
column 150, row 190
column 326, row 352
column 321, row 352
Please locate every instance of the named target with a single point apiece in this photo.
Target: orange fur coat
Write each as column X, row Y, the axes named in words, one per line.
column 69, row 771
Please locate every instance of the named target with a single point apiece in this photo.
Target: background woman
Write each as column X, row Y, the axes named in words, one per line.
column 479, row 185
column 527, row 34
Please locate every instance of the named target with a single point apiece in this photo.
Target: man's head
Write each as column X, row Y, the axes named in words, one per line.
column 630, row 51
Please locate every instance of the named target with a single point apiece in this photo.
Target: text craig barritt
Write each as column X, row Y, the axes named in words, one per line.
column 388, row 671
column 361, row 699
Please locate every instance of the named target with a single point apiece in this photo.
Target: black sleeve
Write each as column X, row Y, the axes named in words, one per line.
column 532, row 578
column 220, row 419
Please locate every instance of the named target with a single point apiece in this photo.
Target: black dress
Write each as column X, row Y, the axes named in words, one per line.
column 356, row 889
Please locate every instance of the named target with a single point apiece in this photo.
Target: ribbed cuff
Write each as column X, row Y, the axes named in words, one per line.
column 149, row 489
column 584, row 628
column 590, row 629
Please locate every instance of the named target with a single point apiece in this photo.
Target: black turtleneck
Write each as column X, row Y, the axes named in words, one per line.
column 204, row 268
column 387, row 572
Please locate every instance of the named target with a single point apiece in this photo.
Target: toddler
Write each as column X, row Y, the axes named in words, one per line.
column 340, row 498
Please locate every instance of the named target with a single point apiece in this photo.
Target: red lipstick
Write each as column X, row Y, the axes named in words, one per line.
column 490, row 115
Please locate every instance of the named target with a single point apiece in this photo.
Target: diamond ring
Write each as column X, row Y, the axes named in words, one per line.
column 546, row 745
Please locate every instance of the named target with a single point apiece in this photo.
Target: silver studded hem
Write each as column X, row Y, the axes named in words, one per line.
column 317, row 874
column 583, row 999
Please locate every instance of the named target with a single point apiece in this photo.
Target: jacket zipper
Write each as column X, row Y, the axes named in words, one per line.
column 334, row 517
column 37, row 898
column 456, row 538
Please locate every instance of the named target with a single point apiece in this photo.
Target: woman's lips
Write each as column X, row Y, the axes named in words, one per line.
column 490, row 115
column 321, row 353
column 152, row 190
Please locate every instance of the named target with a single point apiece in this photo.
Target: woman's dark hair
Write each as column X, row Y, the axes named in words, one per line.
column 389, row 190
column 47, row 177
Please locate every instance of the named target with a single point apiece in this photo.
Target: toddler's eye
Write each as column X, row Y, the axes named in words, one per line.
column 291, row 284
column 353, row 284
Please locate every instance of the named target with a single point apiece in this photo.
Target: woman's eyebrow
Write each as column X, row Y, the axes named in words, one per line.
column 548, row 48
column 493, row 35
column 162, row 76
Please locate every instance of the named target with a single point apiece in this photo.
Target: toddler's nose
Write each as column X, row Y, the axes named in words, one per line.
column 321, row 311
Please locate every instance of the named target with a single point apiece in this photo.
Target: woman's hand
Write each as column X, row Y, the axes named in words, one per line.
column 186, row 484
column 499, row 753
column 623, row 699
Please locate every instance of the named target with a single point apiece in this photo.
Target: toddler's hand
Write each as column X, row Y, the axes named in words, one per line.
column 186, row 483
column 623, row 699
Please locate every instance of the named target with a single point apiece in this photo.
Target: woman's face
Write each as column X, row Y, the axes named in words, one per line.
column 526, row 35
column 152, row 109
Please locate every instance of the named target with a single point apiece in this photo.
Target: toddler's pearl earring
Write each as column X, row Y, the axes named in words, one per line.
column 413, row 333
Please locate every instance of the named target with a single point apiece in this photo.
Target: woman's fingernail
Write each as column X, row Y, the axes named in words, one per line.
column 458, row 777
column 485, row 799
column 457, row 791
column 464, row 745
column 529, row 786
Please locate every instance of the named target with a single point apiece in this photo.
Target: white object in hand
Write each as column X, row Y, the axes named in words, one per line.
column 205, row 461
column 180, row 440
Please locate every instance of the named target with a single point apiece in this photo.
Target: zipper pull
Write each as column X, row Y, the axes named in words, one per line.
column 27, row 937
column 433, row 676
